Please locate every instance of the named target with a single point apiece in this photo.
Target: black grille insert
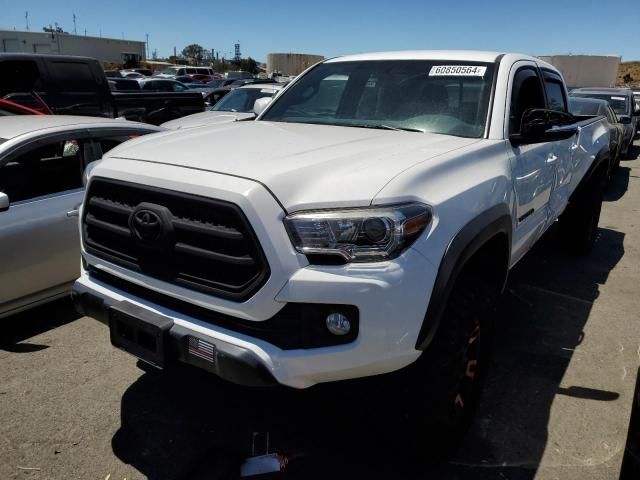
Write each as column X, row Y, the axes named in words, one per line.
column 203, row 244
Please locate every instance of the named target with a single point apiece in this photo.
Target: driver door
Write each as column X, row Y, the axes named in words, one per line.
column 533, row 165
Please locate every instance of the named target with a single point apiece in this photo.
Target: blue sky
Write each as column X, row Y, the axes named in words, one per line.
column 332, row 27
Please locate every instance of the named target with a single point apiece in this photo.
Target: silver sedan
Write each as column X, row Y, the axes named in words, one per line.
column 42, row 161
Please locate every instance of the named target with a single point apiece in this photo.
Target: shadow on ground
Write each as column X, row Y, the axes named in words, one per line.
column 27, row 324
column 190, row 425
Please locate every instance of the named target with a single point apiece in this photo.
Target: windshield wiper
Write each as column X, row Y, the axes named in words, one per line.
column 385, row 127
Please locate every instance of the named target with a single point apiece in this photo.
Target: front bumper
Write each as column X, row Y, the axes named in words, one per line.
column 391, row 299
column 230, row 362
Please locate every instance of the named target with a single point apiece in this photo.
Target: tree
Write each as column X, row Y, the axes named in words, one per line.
column 194, row 51
column 248, row 65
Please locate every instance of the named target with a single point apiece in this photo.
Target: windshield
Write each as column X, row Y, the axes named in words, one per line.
column 242, row 99
column 440, row 97
column 619, row 103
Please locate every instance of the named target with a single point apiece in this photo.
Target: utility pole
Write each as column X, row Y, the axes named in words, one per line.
column 85, row 32
column 147, row 45
column 174, row 53
column 26, row 17
column 75, row 30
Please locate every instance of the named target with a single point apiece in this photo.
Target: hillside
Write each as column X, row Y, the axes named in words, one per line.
column 633, row 70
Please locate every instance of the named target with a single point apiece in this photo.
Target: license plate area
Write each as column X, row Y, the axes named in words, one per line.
column 141, row 333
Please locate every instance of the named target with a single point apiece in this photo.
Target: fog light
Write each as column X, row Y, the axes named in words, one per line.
column 338, row 324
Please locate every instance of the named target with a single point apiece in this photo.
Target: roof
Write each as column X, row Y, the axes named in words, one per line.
column 457, row 55
column 588, row 100
column 272, row 86
column 29, row 56
column 601, row 90
column 13, row 126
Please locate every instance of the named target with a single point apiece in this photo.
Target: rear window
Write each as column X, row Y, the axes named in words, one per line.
column 619, row 103
column 578, row 106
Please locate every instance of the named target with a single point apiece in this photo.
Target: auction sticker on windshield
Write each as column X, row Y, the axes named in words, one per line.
column 457, row 71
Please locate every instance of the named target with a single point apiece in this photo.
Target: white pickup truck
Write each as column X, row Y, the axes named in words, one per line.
column 360, row 226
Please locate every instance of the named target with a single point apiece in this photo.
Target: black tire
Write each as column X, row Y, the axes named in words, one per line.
column 444, row 384
column 579, row 222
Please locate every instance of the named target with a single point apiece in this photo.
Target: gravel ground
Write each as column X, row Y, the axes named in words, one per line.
column 556, row 404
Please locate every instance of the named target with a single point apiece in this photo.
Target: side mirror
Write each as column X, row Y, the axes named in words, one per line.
column 4, row 202
column 260, row 104
column 624, row 119
column 541, row 125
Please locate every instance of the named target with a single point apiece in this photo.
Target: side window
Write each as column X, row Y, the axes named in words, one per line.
column 178, row 88
column 19, row 76
column 106, row 143
column 51, row 168
column 72, row 76
column 555, row 94
column 148, row 86
column 525, row 94
column 191, row 71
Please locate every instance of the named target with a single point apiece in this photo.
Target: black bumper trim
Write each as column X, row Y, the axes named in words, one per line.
column 232, row 363
column 295, row 326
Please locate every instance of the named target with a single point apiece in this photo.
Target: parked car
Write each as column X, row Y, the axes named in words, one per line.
column 213, row 96
column 239, row 74
column 236, row 105
column 8, row 108
column 123, row 84
column 145, row 72
column 42, row 158
column 201, row 77
column 216, row 83
column 188, row 79
column 77, row 85
column 132, row 75
column 161, row 85
column 249, row 81
column 178, row 70
column 623, row 103
column 361, row 225
column 582, row 107
column 30, row 100
column 112, row 74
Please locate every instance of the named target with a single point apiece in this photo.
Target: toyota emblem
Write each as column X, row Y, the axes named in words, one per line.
column 147, row 225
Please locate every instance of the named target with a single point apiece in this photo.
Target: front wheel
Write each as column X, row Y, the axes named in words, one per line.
column 444, row 385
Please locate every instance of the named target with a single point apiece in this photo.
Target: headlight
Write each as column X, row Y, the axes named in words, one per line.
column 369, row 234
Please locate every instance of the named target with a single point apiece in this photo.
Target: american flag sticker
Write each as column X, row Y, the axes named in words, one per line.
column 202, row 349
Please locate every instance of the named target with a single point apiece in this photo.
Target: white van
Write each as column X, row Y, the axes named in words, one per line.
column 177, row 70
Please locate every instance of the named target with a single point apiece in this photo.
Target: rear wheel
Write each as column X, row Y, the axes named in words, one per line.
column 579, row 222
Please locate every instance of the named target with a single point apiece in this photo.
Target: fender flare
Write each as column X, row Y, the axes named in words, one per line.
column 473, row 236
column 602, row 156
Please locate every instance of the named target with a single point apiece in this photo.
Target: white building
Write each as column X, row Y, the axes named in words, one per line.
column 586, row 70
column 106, row 50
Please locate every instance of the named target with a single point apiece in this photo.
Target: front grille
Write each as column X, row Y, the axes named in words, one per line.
column 203, row 244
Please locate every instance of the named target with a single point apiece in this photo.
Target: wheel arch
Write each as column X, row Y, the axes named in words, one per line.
column 491, row 229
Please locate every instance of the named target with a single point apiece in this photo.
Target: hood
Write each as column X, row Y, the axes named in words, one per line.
column 304, row 166
column 205, row 118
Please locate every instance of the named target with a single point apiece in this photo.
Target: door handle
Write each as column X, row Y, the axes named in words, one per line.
column 552, row 158
column 75, row 212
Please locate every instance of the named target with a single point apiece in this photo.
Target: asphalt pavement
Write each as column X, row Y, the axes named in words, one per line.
column 557, row 402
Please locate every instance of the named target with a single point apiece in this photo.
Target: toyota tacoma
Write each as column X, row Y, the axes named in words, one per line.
column 360, row 226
